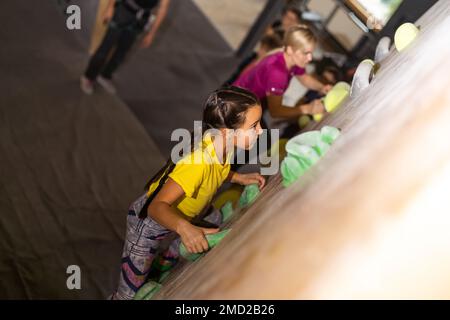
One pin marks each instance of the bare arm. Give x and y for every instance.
(313, 84)
(161, 210)
(160, 15)
(277, 110)
(109, 11)
(111, 4)
(246, 179)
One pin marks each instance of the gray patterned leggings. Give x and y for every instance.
(142, 241)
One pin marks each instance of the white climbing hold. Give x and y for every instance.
(382, 49)
(362, 77)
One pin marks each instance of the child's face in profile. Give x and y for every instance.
(329, 77)
(246, 135)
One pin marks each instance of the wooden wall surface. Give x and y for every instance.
(372, 218)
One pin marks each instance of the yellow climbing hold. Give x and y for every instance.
(317, 117)
(368, 61)
(336, 96)
(232, 194)
(303, 121)
(405, 35)
(279, 146)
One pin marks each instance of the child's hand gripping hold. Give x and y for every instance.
(246, 179)
(193, 237)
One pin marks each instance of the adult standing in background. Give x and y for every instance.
(127, 19)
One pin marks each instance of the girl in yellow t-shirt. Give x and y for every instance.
(179, 192)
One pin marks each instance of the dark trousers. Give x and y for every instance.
(111, 52)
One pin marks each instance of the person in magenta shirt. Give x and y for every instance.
(270, 78)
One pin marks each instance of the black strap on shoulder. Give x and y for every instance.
(162, 181)
(197, 221)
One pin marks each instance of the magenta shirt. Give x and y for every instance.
(269, 77)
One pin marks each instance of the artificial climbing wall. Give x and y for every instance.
(372, 218)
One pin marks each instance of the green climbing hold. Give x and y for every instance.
(291, 169)
(187, 255)
(249, 195)
(321, 148)
(227, 211)
(306, 154)
(147, 291)
(304, 151)
(156, 265)
(213, 240)
(297, 163)
(303, 121)
(329, 134)
(310, 138)
(163, 276)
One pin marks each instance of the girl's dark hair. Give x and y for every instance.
(328, 65)
(224, 108)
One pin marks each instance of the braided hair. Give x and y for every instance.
(224, 108)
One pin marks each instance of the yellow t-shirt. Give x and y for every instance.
(199, 174)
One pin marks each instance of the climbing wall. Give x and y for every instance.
(372, 218)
